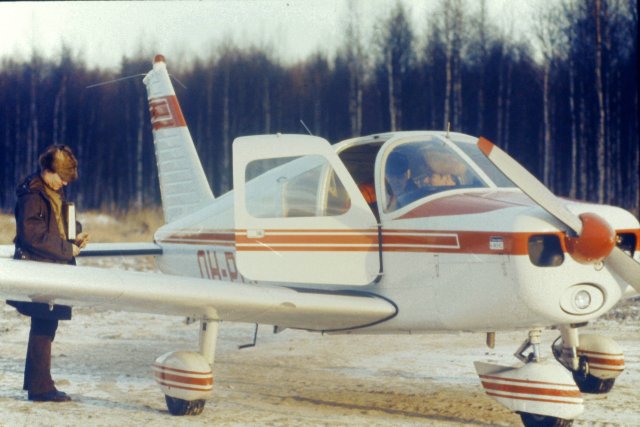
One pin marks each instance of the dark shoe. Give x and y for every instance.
(50, 396)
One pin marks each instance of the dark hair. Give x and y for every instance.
(59, 158)
(397, 164)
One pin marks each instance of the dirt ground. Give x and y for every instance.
(103, 360)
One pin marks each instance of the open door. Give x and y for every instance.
(299, 215)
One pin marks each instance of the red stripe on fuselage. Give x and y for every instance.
(468, 204)
(366, 240)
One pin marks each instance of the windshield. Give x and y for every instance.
(418, 169)
(485, 164)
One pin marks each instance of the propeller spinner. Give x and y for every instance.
(594, 239)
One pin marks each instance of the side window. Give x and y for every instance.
(294, 187)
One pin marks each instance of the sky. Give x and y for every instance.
(103, 32)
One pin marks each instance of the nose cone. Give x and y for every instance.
(595, 242)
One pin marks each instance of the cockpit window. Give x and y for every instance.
(418, 169)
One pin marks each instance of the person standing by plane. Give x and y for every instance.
(41, 235)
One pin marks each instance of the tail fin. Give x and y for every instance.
(183, 185)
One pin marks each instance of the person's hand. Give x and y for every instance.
(82, 239)
(76, 250)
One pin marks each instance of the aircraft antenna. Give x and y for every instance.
(130, 77)
(177, 81)
(114, 81)
(448, 129)
(305, 126)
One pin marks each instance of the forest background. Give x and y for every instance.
(564, 102)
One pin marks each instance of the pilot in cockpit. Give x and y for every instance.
(399, 182)
(445, 169)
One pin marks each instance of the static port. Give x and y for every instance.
(545, 250)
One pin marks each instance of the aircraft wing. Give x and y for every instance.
(185, 296)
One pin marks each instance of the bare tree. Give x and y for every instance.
(357, 63)
(395, 44)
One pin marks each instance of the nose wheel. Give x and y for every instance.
(595, 361)
(588, 383)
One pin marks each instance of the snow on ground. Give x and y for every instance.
(293, 378)
(103, 360)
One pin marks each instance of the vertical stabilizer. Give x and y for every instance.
(183, 185)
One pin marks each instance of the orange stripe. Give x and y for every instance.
(166, 113)
(468, 241)
(243, 231)
(445, 241)
(597, 368)
(601, 361)
(601, 353)
(517, 380)
(531, 390)
(421, 240)
(316, 239)
(182, 371)
(259, 248)
(184, 388)
(184, 380)
(533, 399)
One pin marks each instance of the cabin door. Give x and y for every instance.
(299, 216)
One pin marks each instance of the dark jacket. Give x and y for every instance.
(38, 239)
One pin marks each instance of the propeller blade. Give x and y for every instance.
(529, 184)
(624, 266)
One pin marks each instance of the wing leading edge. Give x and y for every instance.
(183, 296)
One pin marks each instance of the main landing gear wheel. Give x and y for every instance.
(184, 407)
(535, 420)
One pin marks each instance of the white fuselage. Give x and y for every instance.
(454, 260)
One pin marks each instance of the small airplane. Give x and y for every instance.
(404, 232)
